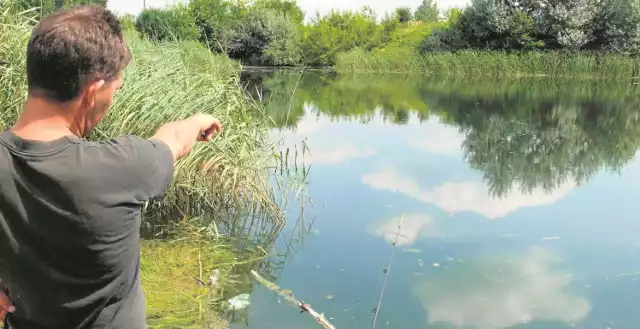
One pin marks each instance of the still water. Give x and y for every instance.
(518, 202)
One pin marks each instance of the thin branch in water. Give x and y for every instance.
(288, 296)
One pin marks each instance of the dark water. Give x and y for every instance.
(518, 201)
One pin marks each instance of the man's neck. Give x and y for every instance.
(42, 120)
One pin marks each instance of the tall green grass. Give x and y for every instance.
(488, 64)
(170, 81)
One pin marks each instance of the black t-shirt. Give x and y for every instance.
(69, 228)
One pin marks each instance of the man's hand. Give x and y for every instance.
(209, 126)
(5, 304)
(181, 136)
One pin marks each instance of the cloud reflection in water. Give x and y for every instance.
(454, 197)
(494, 293)
(413, 227)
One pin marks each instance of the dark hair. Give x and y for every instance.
(72, 47)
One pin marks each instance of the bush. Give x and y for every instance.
(215, 20)
(176, 23)
(265, 37)
(404, 14)
(607, 25)
(338, 32)
(616, 27)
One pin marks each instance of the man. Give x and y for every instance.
(70, 208)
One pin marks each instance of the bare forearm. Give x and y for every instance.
(182, 135)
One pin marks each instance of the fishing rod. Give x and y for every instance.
(386, 271)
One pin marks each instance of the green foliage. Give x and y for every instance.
(265, 37)
(337, 32)
(427, 11)
(289, 8)
(128, 22)
(617, 27)
(274, 32)
(45, 7)
(485, 64)
(175, 23)
(571, 25)
(410, 36)
(215, 20)
(404, 14)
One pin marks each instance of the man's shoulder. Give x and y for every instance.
(128, 149)
(123, 141)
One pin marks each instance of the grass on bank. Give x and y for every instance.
(487, 64)
(167, 82)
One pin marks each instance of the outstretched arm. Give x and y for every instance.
(182, 135)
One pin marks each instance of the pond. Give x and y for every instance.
(512, 204)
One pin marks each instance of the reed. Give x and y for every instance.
(488, 64)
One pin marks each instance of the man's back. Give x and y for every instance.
(69, 228)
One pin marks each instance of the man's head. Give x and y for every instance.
(75, 58)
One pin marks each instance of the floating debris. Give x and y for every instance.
(436, 265)
(239, 302)
(412, 250)
(319, 317)
(329, 297)
(551, 238)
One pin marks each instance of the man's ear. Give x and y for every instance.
(90, 93)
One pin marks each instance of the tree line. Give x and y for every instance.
(265, 32)
(524, 25)
(276, 33)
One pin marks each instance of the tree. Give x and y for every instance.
(215, 20)
(265, 37)
(427, 11)
(567, 23)
(288, 8)
(338, 32)
(616, 27)
(176, 23)
(404, 14)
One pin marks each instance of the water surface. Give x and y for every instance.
(518, 202)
